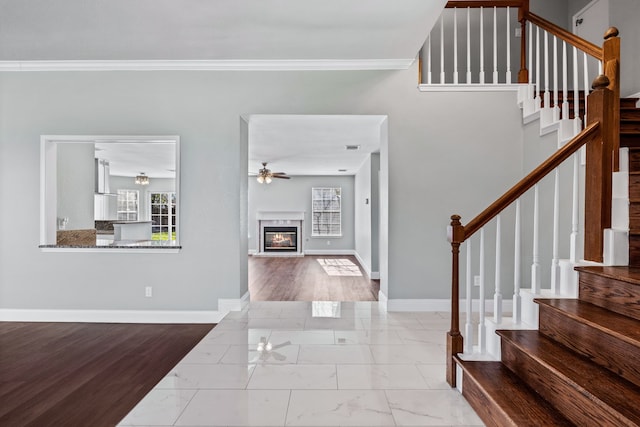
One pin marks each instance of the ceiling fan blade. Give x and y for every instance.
(280, 176)
(278, 173)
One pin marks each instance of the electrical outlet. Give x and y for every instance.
(148, 291)
(518, 32)
(476, 280)
(328, 242)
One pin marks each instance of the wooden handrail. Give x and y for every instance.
(484, 3)
(591, 133)
(565, 35)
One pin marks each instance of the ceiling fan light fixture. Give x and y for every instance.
(142, 179)
(260, 179)
(267, 179)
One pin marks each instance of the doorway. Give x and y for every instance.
(335, 193)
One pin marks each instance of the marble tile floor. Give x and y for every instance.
(319, 364)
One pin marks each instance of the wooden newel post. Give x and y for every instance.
(599, 169)
(454, 339)
(611, 69)
(523, 74)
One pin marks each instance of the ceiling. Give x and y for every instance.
(312, 144)
(369, 34)
(155, 159)
(228, 34)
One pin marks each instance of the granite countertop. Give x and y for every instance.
(125, 244)
(131, 222)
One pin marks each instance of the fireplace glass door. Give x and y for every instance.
(280, 239)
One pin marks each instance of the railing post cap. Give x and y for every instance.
(611, 32)
(455, 217)
(600, 82)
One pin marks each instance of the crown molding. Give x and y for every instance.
(210, 65)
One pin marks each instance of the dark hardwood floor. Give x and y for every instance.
(84, 374)
(305, 279)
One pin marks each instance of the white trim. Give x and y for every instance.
(438, 305)
(115, 250)
(375, 275)
(233, 304)
(470, 87)
(280, 215)
(210, 65)
(253, 252)
(363, 264)
(329, 252)
(383, 301)
(112, 316)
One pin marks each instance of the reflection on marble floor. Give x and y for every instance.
(311, 364)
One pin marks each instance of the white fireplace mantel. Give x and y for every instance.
(279, 215)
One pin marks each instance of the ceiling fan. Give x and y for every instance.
(265, 175)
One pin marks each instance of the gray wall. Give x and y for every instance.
(295, 195)
(625, 14)
(76, 184)
(438, 164)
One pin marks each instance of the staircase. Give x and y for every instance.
(582, 367)
(630, 137)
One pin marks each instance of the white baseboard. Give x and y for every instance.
(112, 316)
(226, 305)
(440, 305)
(329, 252)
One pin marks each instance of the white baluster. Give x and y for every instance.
(468, 45)
(517, 299)
(482, 336)
(481, 45)
(565, 82)
(586, 82)
(538, 78)
(455, 45)
(497, 297)
(530, 63)
(535, 265)
(442, 80)
(555, 266)
(547, 96)
(556, 108)
(495, 45)
(508, 75)
(573, 254)
(468, 339)
(577, 125)
(599, 68)
(429, 79)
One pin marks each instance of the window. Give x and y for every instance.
(163, 215)
(326, 214)
(128, 205)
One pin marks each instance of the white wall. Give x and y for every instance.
(447, 153)
(295, 195)
(76, 184)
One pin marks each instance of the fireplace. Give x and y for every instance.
(280, 239)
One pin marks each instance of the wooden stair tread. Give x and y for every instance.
(625, 274)
(600, 386)
(516, 401)
(623, 327)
